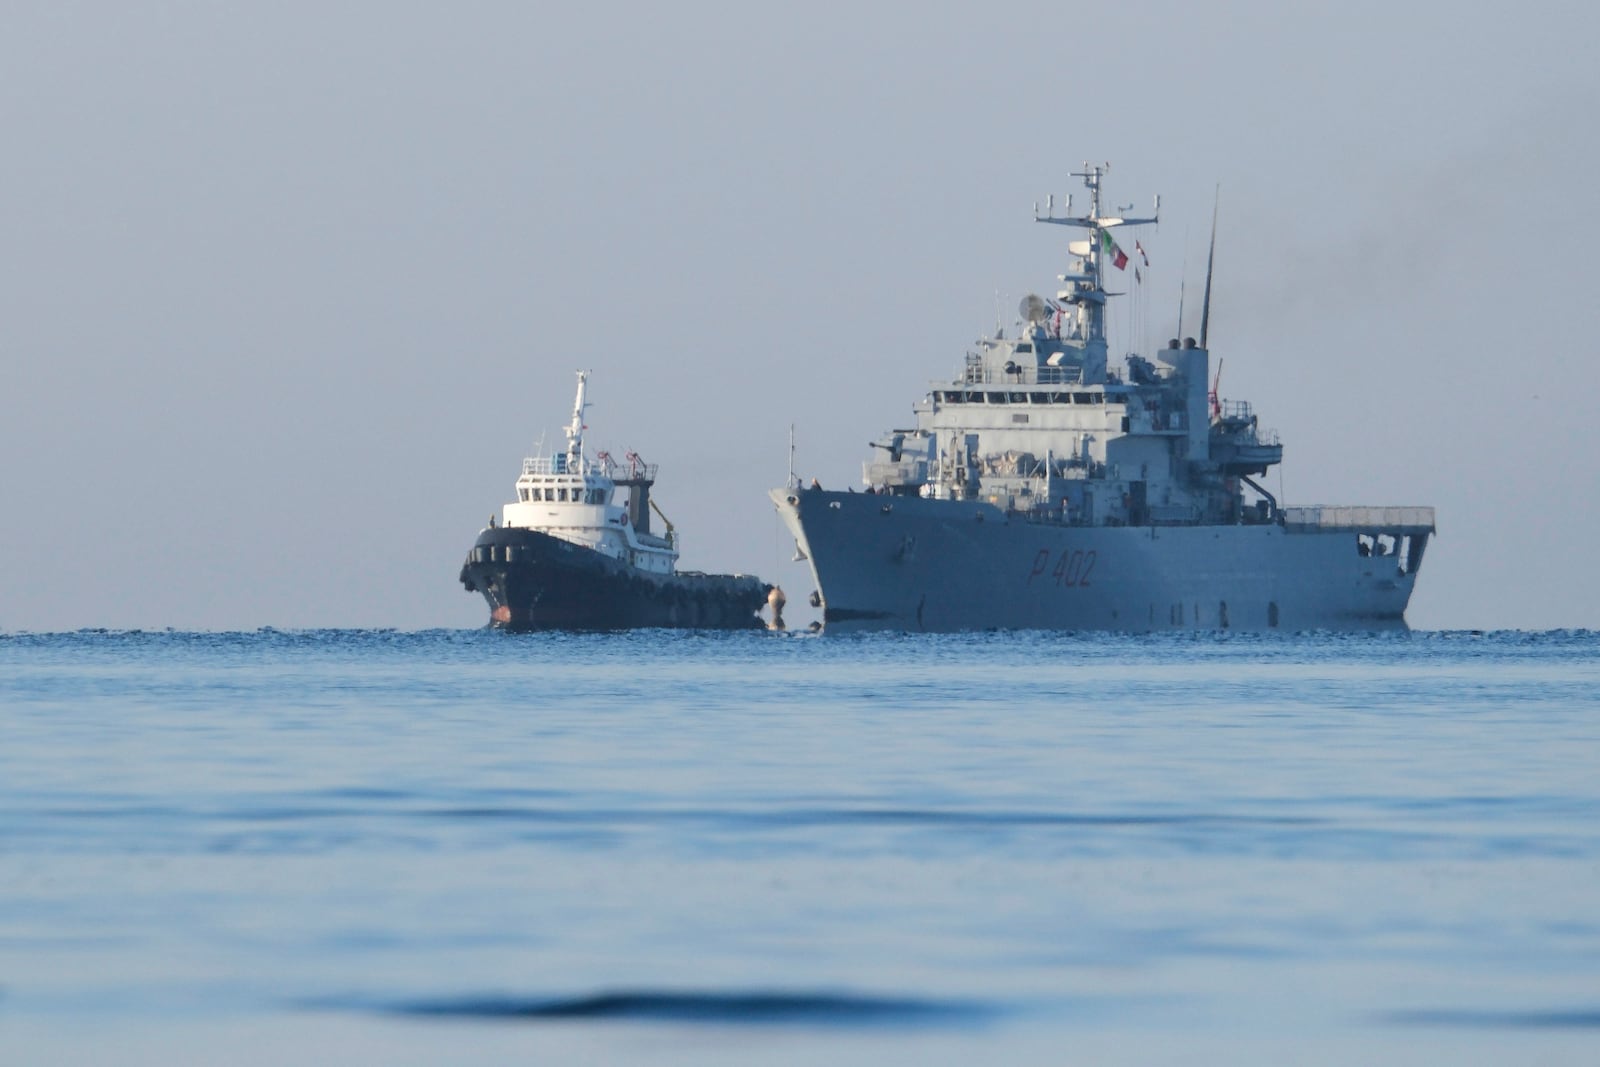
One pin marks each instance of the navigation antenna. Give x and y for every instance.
(791, 483)
(1211, 256)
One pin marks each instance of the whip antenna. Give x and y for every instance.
(1211, 256)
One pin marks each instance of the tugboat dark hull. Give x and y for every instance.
(533, 581)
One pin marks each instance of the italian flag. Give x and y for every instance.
(1119, 258)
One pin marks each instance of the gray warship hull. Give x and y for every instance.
(1041, 487)
(890, 562)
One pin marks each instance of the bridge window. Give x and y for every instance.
(996, 398)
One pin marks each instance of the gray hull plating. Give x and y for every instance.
(906, 563)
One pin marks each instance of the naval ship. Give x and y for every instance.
(564, 555)
(1042, 488)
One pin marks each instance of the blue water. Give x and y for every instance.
(473, 847)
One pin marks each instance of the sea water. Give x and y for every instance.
(476, 847)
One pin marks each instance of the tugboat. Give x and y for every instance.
(1040, 488)
(564, 556)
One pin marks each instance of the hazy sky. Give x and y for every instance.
(290, 289)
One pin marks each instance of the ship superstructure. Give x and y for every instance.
(569, 496)
(566, 553)
(1043, 487)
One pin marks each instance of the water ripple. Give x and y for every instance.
(1560, 1019)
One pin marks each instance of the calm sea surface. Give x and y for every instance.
(459, 847)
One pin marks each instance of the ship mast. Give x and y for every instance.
(576, 427)
(1085, 277)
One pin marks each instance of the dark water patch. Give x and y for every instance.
(115, 809)
(1560, 1019)
(862, 816)
(754, 1008)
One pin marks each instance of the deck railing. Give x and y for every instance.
(977, 373)
(558, 464)
(1324, 517)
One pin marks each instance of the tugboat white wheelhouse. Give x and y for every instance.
(1042, 489)
(564, 555)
